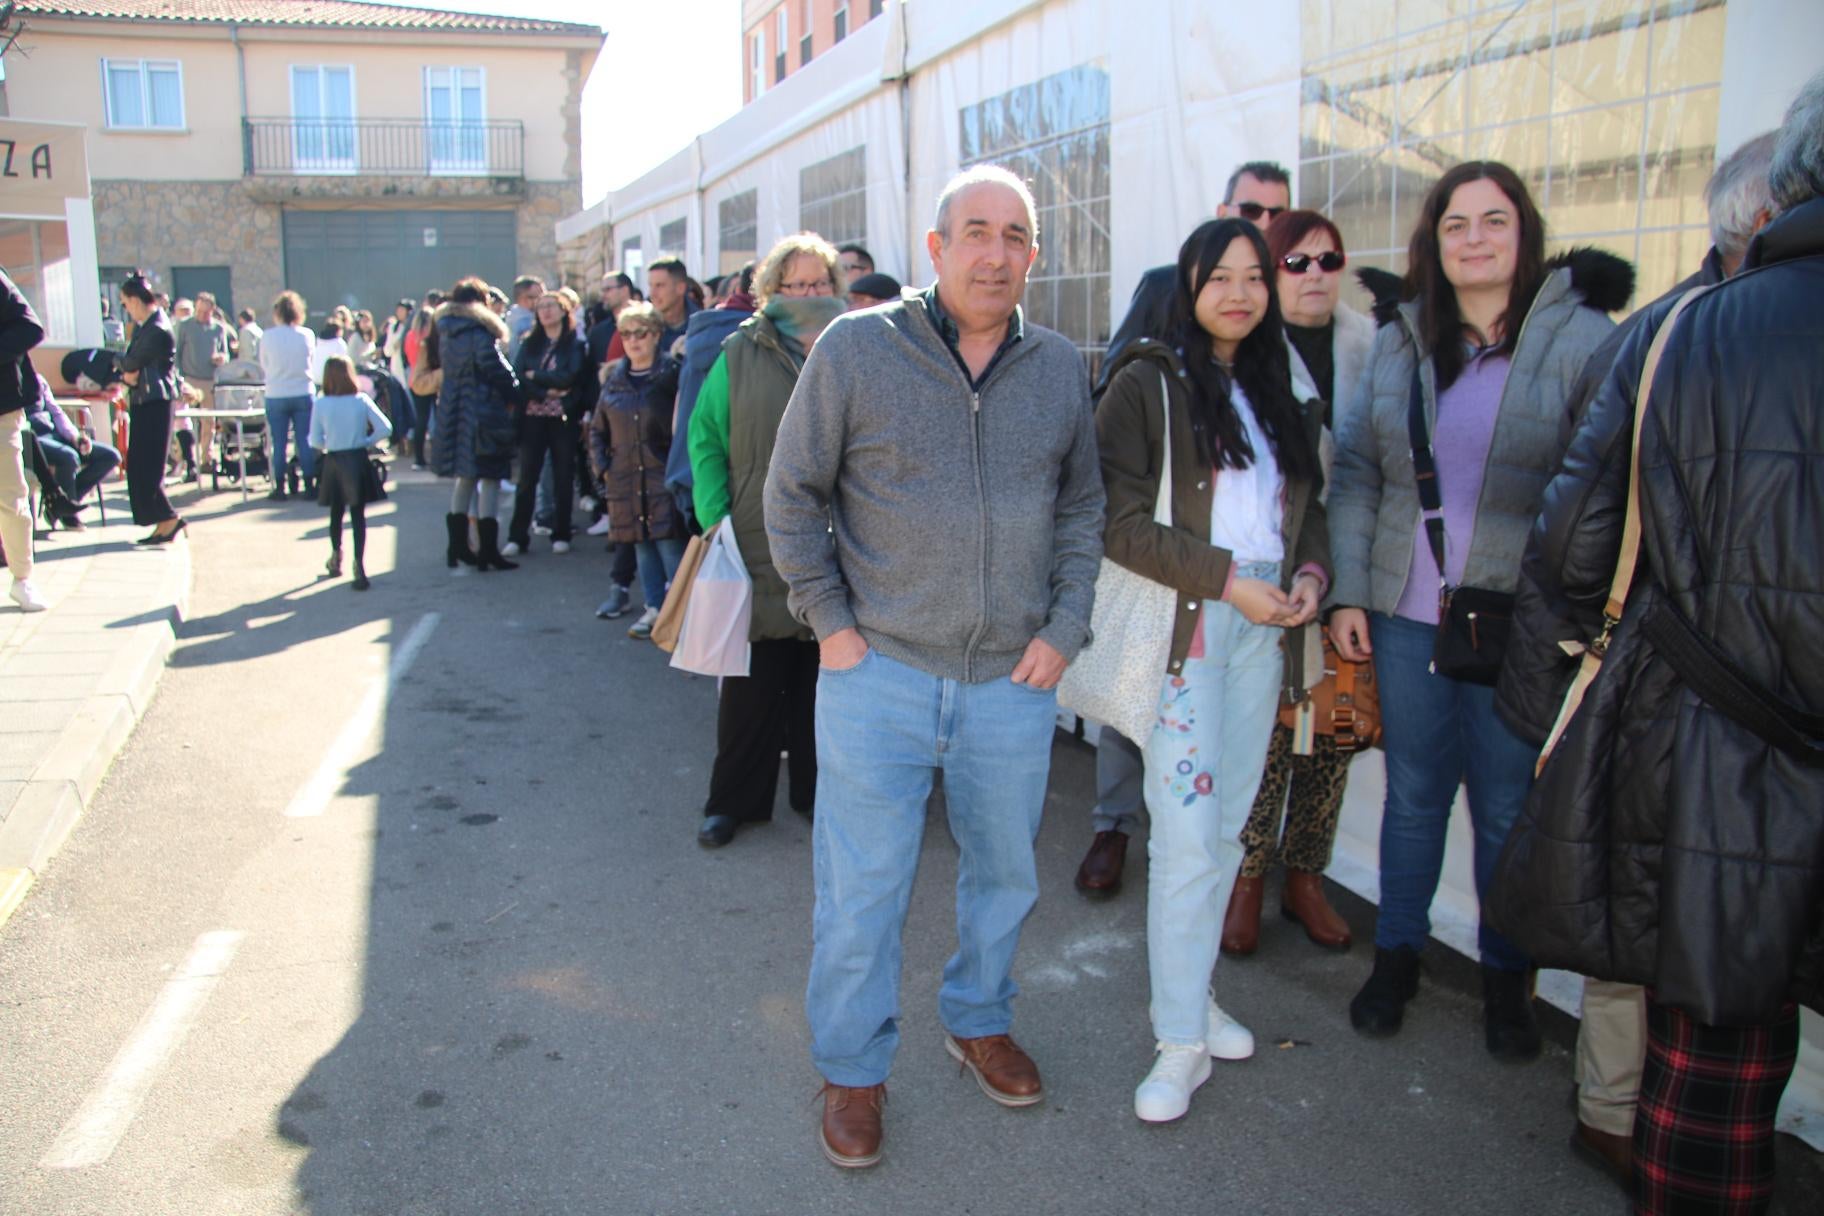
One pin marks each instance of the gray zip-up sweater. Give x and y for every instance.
(951, 525)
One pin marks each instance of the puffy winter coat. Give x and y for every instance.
(629, 441)
(569, 373)
(1374, 499)
(475, 431)
(1665, 843)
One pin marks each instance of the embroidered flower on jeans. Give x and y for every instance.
(1204, 783)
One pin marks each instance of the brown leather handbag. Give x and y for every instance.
(1345, 704)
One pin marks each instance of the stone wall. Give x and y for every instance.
(158, 225)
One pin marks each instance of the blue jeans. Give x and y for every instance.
(75, 473)
(658, 562)
(1204, 762)
(884, 729)
(290, 414)
(1440, 733)
(1118, 783)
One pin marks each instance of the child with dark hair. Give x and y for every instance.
(343, 423)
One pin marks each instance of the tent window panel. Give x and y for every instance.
(737, 222)
(833, 197)
(672, 237)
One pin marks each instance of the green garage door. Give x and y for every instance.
(370, 259)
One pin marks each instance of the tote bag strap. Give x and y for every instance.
(1629, 558)
(1162, 505)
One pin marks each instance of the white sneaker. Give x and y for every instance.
(541, 529)
(510, 549)
(642, 628)
(588, 502)
(26, 596)
(560, 546)
(1177, 1072)
(1229, 1039)
(600, 527)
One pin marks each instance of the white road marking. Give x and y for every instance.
(342, 755)
(92, 1133)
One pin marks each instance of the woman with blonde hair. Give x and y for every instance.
(732, 430)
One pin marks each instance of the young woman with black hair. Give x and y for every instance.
(1247, 552)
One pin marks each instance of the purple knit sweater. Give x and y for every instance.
(1460, 439)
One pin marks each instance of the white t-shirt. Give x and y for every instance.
(318, 357)
(1246, 508)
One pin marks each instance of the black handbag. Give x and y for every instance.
(1473, 622)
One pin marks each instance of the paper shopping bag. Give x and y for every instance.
(671, 612)
(713, 638)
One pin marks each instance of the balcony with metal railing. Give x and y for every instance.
(384, 147)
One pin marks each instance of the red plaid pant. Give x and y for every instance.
(1703, 1131)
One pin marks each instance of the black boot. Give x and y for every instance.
(457, 524)
(361, 583)
(1507, 1015)
(1380, 1006)
(489, 558)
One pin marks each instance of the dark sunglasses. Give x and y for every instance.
(1329, 262)
(1253, 211)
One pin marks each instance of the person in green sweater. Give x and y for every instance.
(732, 429)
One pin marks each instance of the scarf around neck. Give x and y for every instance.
(796, 316)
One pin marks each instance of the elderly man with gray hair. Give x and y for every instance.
(934, 504)
(1673, 841)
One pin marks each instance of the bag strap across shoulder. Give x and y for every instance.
(1425, 471)
(1162, 505)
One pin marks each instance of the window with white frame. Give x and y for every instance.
(633, 259)
(455, 110)
(842, 19)
(759, 63)
(783, 22)
(323, 118)
(804, 37)
(143, 94)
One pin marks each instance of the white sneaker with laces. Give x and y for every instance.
(510, 549)
(1229, 1039)
(26, 596)
(642, 628)
(1177, 1072)
(560, 546)
(600, 527)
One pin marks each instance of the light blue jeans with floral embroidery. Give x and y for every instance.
(1204, 762)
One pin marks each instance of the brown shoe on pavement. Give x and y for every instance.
(1303, 900)
(1612, 1154)
(1100, 874)
(851, 1124)
(1241, 927)
(1005, 1072)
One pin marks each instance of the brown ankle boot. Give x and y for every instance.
(1241, 927)
(1303, 901)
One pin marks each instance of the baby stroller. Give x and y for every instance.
(240, 384)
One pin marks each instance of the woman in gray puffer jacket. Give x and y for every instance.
(1494, 336)
(476, 436)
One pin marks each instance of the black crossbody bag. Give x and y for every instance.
(1473, 622)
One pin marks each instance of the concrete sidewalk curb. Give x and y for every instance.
(60, 789)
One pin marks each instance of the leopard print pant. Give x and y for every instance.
(1316, 785)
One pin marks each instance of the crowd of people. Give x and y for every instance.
(933, 502)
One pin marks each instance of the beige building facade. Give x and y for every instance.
(354, 152)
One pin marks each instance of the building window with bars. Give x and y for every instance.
(1608, 113)
(833, 197)
(143, 94)
(738, 231)
(1054, 135)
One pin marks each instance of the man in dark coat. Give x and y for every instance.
(1612, 1030)
(703, 337)
(1674, 838)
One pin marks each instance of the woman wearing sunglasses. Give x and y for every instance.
(1327, 344)
(1246, 553)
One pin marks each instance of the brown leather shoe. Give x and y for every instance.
(1303, 900)
(1005, 1073)
(851, 1124)
(1608, 1152)
(1241, 927)
(1100, 874)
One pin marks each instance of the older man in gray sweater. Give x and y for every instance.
(935, 507)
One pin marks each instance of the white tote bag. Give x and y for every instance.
(712, 641)
(1116, 679)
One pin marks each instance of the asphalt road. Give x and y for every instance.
(493, 972)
